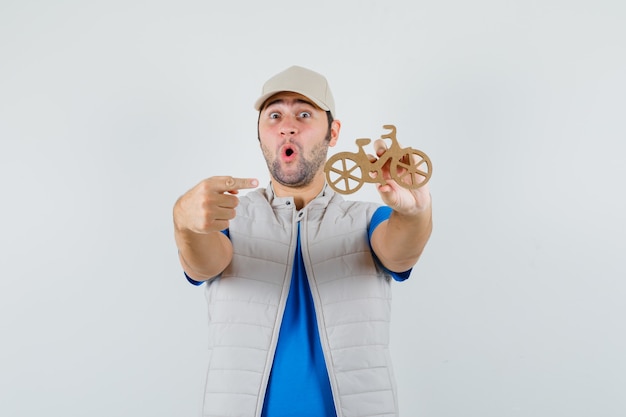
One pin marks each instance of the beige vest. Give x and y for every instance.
(352, 298)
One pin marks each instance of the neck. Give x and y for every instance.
(301, 195)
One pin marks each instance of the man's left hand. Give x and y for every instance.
(406, 201)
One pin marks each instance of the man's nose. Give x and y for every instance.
(288, 126)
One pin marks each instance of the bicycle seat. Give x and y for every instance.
(362, 142)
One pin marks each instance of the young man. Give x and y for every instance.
(297, 279)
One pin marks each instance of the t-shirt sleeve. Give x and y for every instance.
(197, 283)
(380, 215)
(192, 281)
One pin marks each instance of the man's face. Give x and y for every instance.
(294, 138)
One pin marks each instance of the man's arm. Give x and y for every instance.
(399, 241)
(203, 256)
(199, 217)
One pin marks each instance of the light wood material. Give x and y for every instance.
(346, 172)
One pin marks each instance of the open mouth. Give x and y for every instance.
(288, 152)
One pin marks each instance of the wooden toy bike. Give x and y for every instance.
(346, 172)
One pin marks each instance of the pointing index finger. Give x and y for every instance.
(234, 184)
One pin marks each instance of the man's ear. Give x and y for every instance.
(335, 127)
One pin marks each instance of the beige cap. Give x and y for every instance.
(302, 81)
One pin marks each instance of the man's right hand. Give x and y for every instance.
(198, 215)
(210, 205)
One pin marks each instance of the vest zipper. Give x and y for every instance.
(279, 314)
(319, 314)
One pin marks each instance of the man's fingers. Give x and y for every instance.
(380, 147)
(210, 205)
(226, 201)
(223, 213)
(228, 183)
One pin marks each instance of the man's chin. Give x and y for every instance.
(292, 184)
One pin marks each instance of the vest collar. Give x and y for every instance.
(322, 199)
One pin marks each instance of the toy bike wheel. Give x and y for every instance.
(412, 170)
(343, 173)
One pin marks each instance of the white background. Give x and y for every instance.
(110, 110)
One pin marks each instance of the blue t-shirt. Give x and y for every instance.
(299, 383)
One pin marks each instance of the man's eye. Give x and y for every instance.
(274, 115)
(304, 115)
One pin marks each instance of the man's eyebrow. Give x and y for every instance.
(298, 100)
(271, 103)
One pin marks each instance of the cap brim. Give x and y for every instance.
(261, 100)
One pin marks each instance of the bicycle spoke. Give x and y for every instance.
(343, 172)
(346, 179)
